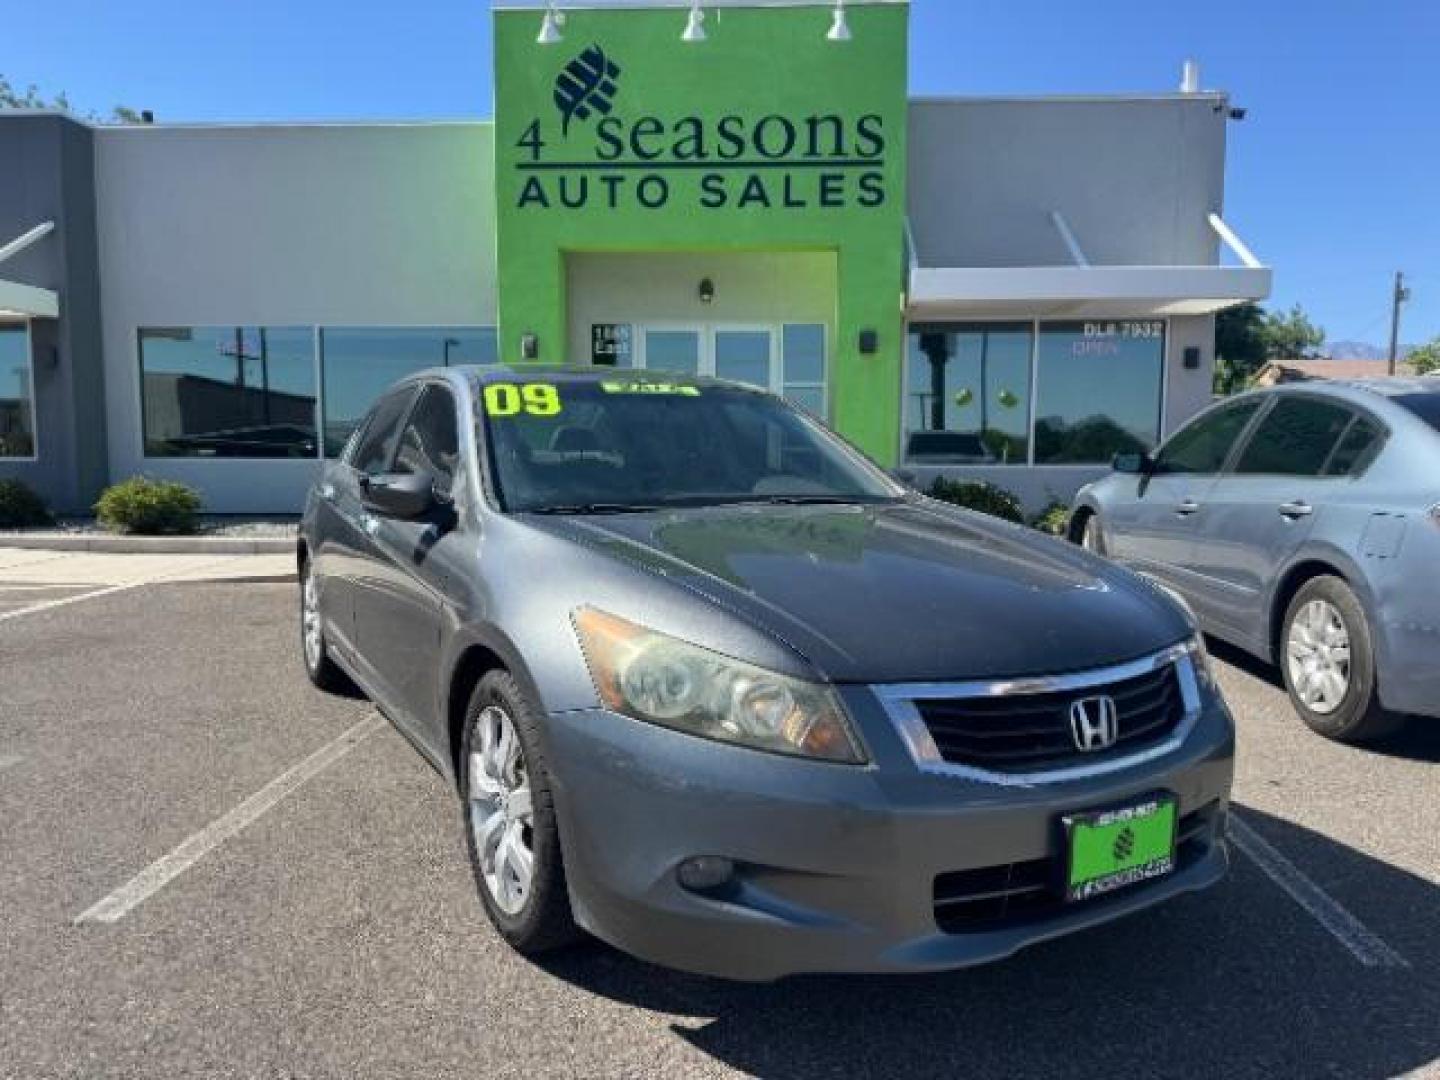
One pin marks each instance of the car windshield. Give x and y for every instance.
(622, 445)
(1425, 406)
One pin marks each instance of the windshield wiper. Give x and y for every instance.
(593, 508)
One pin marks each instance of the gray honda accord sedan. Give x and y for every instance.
(718, 691)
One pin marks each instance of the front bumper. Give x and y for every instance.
(838, 865)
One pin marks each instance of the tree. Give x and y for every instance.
(31, 98)
(1291, 336)
(1425, 359)
(1239, 346)
(1247, 337)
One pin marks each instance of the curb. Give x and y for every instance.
(151, 545)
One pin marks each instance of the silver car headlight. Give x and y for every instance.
(653, 677)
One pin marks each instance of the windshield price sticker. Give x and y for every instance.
(676, 389)
(511, 399)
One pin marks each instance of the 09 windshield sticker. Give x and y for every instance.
(512, 399)
(637, 387)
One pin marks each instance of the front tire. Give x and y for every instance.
(1092, 539)
(1327, 658)
(510, 826)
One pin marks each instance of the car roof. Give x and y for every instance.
(1371, 392)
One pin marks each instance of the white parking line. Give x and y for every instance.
(46, 605)
(166, 869)
(110, 590)
(1363, 944)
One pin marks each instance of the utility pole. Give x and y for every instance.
(1401, 295)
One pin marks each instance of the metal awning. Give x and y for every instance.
(27, 302)
(1084, 291)
(19, 301)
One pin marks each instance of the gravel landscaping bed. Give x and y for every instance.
(230, 528)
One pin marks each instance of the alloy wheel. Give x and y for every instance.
(1318, 654)
(311, 633)
(502, 814)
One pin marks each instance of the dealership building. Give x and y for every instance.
(1006, 288)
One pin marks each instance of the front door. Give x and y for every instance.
(1155, 528)
(398, 613)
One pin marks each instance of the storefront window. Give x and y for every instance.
(228, 391)
(359, 363)
(1098, 387)
(17, 395)
(967, 397)
(802, 359)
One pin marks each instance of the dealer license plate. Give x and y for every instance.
(1111, 849)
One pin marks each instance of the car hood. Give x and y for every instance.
(913, 591)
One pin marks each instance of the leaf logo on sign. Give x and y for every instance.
(587, 85)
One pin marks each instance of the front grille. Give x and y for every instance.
(1012, 894)
(1031, 732)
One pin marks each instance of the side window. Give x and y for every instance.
(1203, 447)
(1357, 448)
(372, 453)
(431, 439)
(1295, 439)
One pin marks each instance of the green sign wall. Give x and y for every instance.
(765, 137)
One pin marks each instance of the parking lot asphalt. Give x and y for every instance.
(336, 932)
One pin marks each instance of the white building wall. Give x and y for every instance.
(275, 225)
(1134, 177)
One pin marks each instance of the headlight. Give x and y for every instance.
(662, 680)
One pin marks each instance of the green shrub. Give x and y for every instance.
(21, 508)
(1054, 519)
(976, 495)
(148, 507)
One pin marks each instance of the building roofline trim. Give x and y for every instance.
(1211, 96)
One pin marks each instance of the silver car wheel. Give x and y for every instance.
(502, 813)
(312, 635)
(1090, 536)
(1318, 654)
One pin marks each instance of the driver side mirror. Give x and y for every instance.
(1134, 464)
(399, 495)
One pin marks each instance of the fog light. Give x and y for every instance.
(705, 873)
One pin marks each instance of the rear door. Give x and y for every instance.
(1261, 511)
(1154, 528)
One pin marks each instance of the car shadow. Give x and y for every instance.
(1246, 662)
(1237, 981)
(1417, 740)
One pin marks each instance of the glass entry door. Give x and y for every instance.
(679, 350)
(745, 356)
(787, 358)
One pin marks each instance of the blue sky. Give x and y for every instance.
(1333, 177)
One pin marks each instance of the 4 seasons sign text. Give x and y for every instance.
(594, 153)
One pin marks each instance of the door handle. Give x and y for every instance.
(1296, 510)
(370, 523)
(1188, 507)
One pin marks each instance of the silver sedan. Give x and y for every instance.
(1303, 525)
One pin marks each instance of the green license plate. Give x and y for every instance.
(1111, 849)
